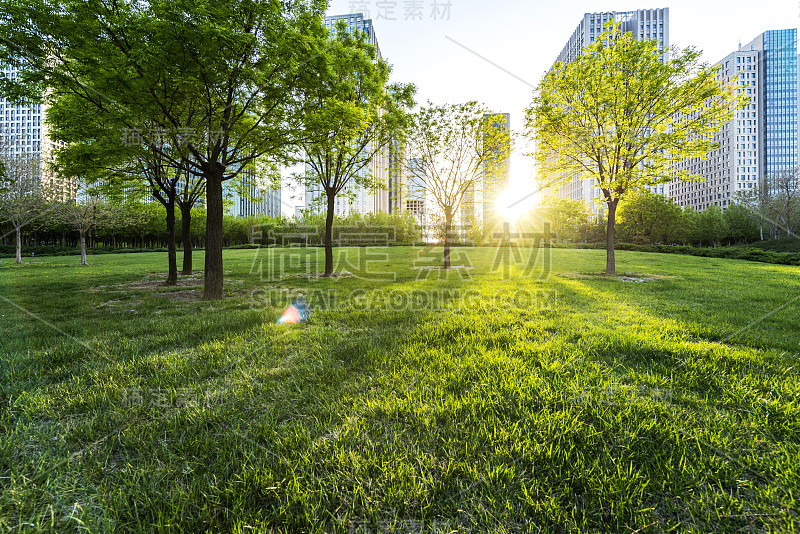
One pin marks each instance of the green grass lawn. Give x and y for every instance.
(413, 401)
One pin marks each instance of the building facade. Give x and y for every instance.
(642, 24)
(416, 190)
(24, 130)
(249, 198)
(761, 139)
(398, 182)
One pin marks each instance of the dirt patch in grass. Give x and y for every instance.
(118, 302)
(194, 295)
(314, 276)
(155, 281)
(182, 282)
(638, 278)
(189, 295)
(440, 268)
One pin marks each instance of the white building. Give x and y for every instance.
(23, 130)
(762, 138)
(249, 198)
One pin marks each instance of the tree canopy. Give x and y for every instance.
(622, 115)
(222, 80)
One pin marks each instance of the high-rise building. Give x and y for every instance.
(761, 139)
(416, 190)
(250, 199)
(23, 130)
(642, 24)
(356, 198)
(398, 187)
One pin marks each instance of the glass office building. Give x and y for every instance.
(25, 133)
(779, 68)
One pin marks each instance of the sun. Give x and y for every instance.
(514, 203)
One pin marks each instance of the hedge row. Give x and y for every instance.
(735, 253)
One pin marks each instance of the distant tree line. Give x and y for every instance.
(768, 212)
(142, 226)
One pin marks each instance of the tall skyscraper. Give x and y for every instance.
(398, 186)
(642, 24)
(23, 130)
(761, 139)
(354, 197)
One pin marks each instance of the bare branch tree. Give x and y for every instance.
(22, 198)
(450, 146)
(783, 191)
(83, 213)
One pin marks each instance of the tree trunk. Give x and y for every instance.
(186, 238)
(213, 258)
(611, 265)
(18, 232)
(329, 234)
(172, 253)
(448, 222)
(83, 247)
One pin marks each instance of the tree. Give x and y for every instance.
(620, 115)
(688, 231)
(644, 217)
(221, 80)
(568, 219)
(103, 152)
(22, 198)
(189, 193)
(83, 213)
(355, 116)
(755, 201)
(711, 226)
(741, 223)
(449, 145)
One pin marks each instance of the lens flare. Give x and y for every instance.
(298, 312)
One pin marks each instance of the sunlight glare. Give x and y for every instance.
(514, 203)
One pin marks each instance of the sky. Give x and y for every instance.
(497, 52)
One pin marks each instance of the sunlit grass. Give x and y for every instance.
(668, 404)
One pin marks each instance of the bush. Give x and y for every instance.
(734, 253)
(9, 251)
